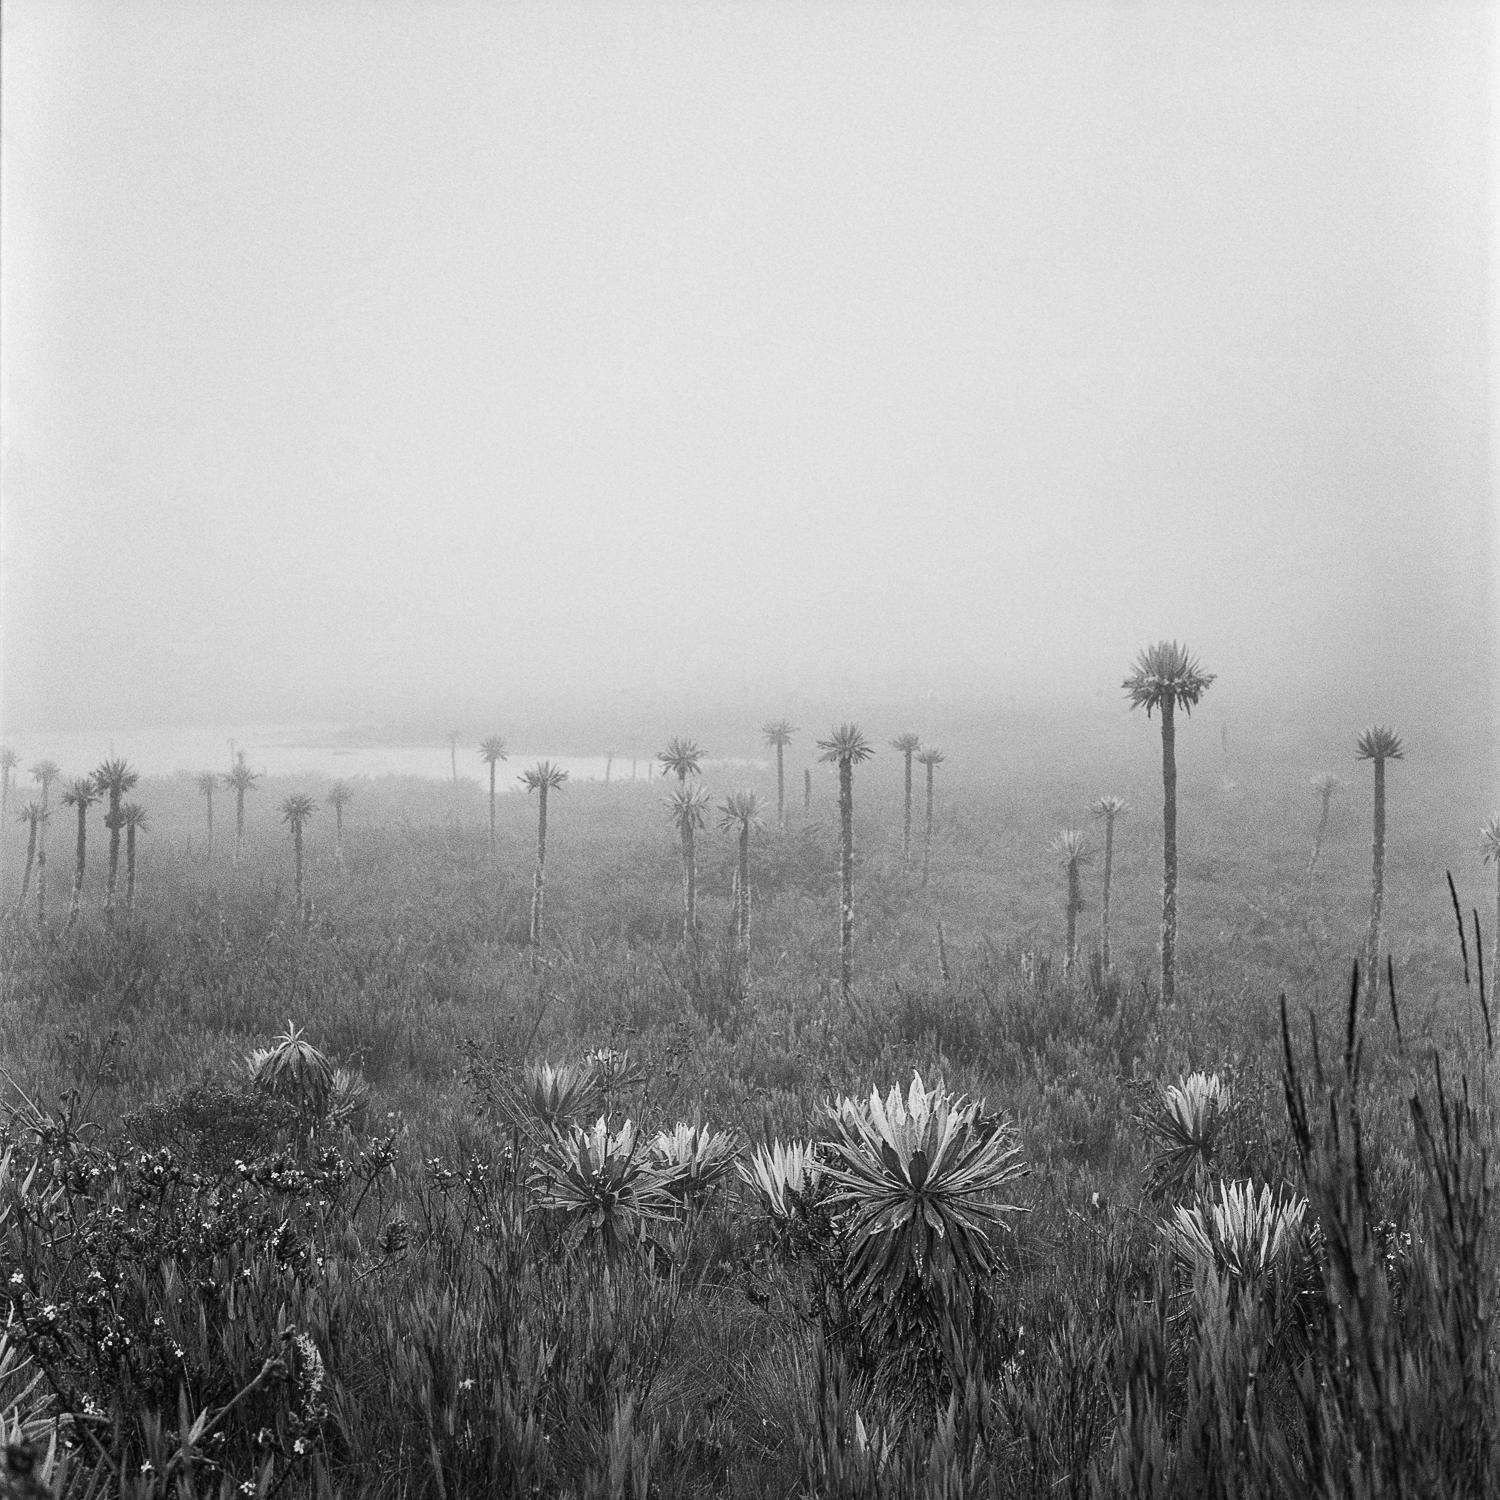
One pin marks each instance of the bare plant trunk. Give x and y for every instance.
(338, 833)
(113, 823)
(1109, 862)
(297, 864)
(1377, 885)
(742, 905)
(906, 818)
(492, 807)
(846, 877)
(1317, 847)
(781, 785)
(80, 850)
(539, 882)
(30, 861)
(927, 841)
(1169, 854)
(239, 824)
(609, 765)
(209, 801)
(130, 870)
(689, 886)
(1075, 905)
(41, 883)
(806, 789)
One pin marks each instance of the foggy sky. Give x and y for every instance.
(361, 357)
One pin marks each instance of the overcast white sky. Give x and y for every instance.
(360, 357)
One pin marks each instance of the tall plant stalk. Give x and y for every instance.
(133, 816)
(1489, 848)
(1072, 848)
(1167, 677)
(80, 794)
(1108, 808)
(113, 779)
(295, 811)
(931, 759)
(491, 750)
(908, 744)
(1378, 743)
(778, 735)
(542, 778)
(688, 807)
(1325, 786)
(207, 781)
(846, 747)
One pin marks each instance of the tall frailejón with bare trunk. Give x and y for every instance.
(908, 744)
(81, 794)
(1325, 786)
(931, 759)
(295, 811)
(1108, 808)
(133, 816)
(682, 758)
(687, 806)
(340, 795)
(32, 815)
(113, 779)
(241, 779)
(741, 813)
(1167, 677)
(778, 735)
(9, 760)
(1379, 744)
(542, 778)
(207, 783)
(492, 749)
(1072, 849)
(846, 747)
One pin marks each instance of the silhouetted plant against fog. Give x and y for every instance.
(242, 779)
(687, 806)
(1108, 808)
(9, 760)
(1325, 785)
(931, 758)
(681, 757)
(112, 779)
(80, 793)
(846, 746)
(491, 750)
(1379, 744)
(207, 781)
(133, 818)
(778, 735)
(1167, 677)
(740, 813)
(541, 778)
(32, 816)
(1072, 849)
(908, 744)
(340, 795)
(295, 811)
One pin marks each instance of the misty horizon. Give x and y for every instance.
(568, 370)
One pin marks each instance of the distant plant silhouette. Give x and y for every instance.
(112, 779)
(1072, 849)
(32, 815)
(741, 813)
(846, 747)
(908, 744)
(931, 758)
(688, 808)
(9, 760)
(133, 817)
(243, 780)
(806, 789)
(1108, 808)
(295, 811)
(340, 795)
(491, 750)
(1167, 677)
(1325, 785)
(207, 781)
(542, 778)
(44, 773)
(681, 757)
(80, 793)
(1378, 743)
(778, 733)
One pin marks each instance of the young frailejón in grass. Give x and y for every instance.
(687, 806)
(1108, 808)
(541, 778)
(931, 758)
(741, 813)
(1378, 743)
(32, 816)
(1072, 850)
(778, 735)
(112, 779)
(492, 750)
(80, 793)
(9, 760)
(1167, 677)
(681, 757)
(295, 811)
(846, 747)
(1325, 785)
(133, 816)
(242, 779)
(340, 795)
(206, 782)
(1489, 847)
(908, 744)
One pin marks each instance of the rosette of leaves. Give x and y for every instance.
(613, 1071)
(1185, 1129)
(917, 1178)
(602, 1183)
(555, 1095)
(1255, 1240)
(691, 1159)
(291, 1068)
(785, 1176)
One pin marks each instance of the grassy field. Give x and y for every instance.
(379, 1284)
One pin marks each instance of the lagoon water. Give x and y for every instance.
(294, 750)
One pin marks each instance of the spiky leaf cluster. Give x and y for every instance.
(778, 732)
(741, 810)
(691, 1159)
(1071, 847)
(1166, 673)
(1109, 808)
(1184, 1130)
(1243, 1235)
(916, 1180)
(681, 757)
(1489, 840)
(297, 809)
(491, 749)
(602, 1183)
(80, 792)
(845, 745)
(687, 806)
(291, 1068)
(785, 1176)
(1379, 742)
(931, 756)
(543, 774)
